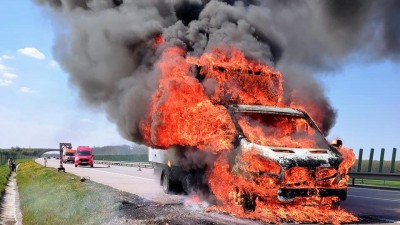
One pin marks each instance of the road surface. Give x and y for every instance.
(371, 205)
(374, 203)
(143, 183)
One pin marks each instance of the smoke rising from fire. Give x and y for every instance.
(107, 47)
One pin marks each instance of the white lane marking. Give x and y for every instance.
(392, 200)
(126, 175)
(384, 219)
(396, 191)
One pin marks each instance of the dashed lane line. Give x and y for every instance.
(126, 175)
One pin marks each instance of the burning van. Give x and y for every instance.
(278, 148)
(219, 124)
(284, 150)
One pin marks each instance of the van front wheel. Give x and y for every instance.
(248, 202)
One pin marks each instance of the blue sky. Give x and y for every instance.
(39, 108)
(367, 99)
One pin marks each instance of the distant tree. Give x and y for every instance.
(17, 149)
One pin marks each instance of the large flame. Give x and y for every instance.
(279, 132)
(239, 80)
(229, 190)
(188, 110)
(182, 114)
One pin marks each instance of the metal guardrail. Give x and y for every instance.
(126, 163)
(375, 176)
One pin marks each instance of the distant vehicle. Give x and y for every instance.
(69, 155)
(84, 156)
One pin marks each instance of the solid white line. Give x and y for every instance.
(392, 200)
(366, 187)
(384, 219)
(118, 174)
(125, 175)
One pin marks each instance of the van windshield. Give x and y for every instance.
(279, 130)
(69, 154)
(84, 153)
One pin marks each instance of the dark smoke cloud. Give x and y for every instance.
(107, 46)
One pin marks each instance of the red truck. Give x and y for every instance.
(84, 156)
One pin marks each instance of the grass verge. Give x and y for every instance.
(4, 173)
(50, 197)
(378, 183)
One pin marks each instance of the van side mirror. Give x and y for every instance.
(337, 143)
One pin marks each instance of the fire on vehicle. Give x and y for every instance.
(224, 126)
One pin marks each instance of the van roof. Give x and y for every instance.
(83, 148)
(267, 109)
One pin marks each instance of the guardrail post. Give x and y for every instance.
(393, 160)
(371, 157)
(360, 155)
(381, 160)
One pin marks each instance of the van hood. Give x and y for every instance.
(291, 157)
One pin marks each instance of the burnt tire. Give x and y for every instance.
(188, 183)
(166, 182)
(248, 202)
(335, 204)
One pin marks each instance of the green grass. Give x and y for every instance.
(379, 183)
(4, 173)
(50, 197)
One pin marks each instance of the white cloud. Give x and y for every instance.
(53, 63)
(32, 52)
(4, 68)
(5, 82)
(10, 75)
(27, 90)
(7, 57)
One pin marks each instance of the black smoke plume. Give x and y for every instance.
(106, 45)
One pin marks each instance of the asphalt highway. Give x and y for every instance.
(371, 205)
(374, 203)
(129, 179)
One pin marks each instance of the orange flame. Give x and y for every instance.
(181, 114)
(278, 133)
(239, 80)
(349, 158)
(229, 190)
(187, 112)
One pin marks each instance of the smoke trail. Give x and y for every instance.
(107, 48)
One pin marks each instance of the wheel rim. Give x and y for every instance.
(165, 182)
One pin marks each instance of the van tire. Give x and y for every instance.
(167, 184)
(76, 165)
(248, 202)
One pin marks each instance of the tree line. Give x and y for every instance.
(375, 166)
